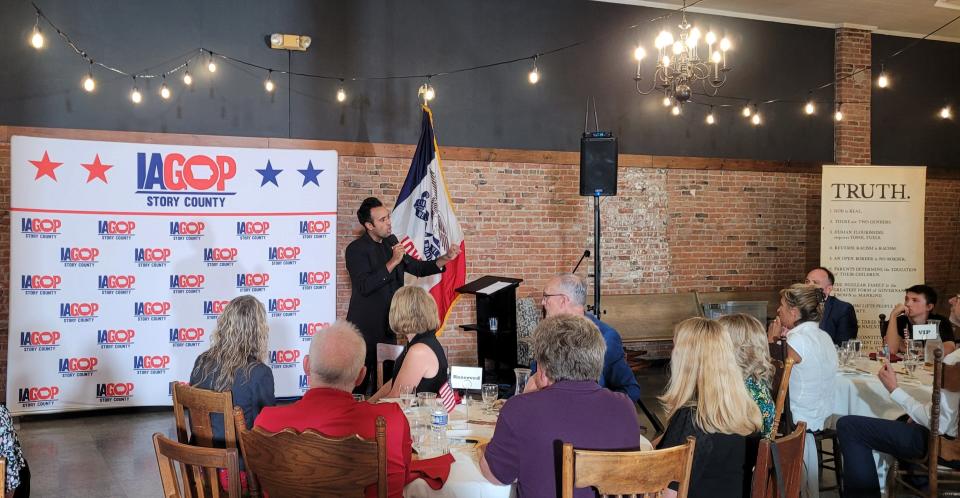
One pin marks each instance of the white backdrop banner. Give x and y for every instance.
(871, 237)
(124, 254)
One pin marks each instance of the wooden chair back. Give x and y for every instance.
(949, 380)
(194, 461)
(308, 463)
(201, 404)
(3, 470)
(626, 472)
(790, 452)
(386, 352)
(783, 384)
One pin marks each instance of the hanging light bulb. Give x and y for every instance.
(341, 94)
(164, 90)
(211, 65)
(756, 119)
(710, 118)
(268, 85)
(676, 110)
(883, 81)
(534, 75)
(639, 53)
(89, 84)
(666, 101)
(426, 91)
(946, 112)
(36, 38)
(746, 111)
(135, 95)
(809, 108)
(838, 116)
(187, 79)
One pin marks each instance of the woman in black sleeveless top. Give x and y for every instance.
(422, 364)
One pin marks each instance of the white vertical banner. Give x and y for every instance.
(871, 237)
(124, 254)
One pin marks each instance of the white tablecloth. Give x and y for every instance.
(465, 480)
(860, 392)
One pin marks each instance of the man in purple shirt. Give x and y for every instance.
(568, 406)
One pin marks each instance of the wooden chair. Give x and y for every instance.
(386, 352)
(193, 461)
(939, 448)
(3, 471)
(627, 472)
(782, 418)
(790, 453)
(305, 464)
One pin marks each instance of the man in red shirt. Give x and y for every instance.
(334, 367)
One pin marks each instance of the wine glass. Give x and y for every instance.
(910, 365)
(489, 392)
(915, 349)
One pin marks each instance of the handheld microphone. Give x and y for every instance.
(586, 254)
(391, 240)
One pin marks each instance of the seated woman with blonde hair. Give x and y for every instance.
(706, 398)
(423, 363)
(753, 356)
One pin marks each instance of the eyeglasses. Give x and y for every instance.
(547, 296)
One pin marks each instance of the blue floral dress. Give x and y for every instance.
(10, 449)
(760, 392)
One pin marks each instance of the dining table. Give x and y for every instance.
(858, 391)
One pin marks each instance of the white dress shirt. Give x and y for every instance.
(920, 411)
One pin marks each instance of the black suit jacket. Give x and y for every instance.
(839, 320)
(372, 287)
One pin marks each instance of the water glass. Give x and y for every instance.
(407, 396)
(915, 349)
(856, 345)
(910, 365)
(490, 393)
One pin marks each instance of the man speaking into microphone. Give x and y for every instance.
(376, 263)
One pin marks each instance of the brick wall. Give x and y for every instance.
(852, 134)
(669, 230)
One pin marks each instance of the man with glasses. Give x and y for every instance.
(839, 318)
(567, 294)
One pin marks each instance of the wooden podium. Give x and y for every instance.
(496, 350)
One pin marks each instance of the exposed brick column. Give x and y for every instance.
(851, 136)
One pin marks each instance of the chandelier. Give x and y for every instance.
(680, 67)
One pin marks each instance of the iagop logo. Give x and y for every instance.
(213, 309)
(308, 329)
(78, 312)
(32, 285)
(79, 257)
(253, 230)
(32, 397)
(283, 306)
(253, 282)
(186, 337)
(115, 338)
(152, 257)
(284, 358)
(314, 280)
(314, 229)
(283, 255)
(40, 340)
(116, 230)
(78, 367)
(151, 310)
(220, 256)
(304, 385)
(116, 284)
(151, 364)
(187, 284)
(42, 228)
(115, 392)
(187, 230)
(175, 180)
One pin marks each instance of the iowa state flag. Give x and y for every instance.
(423, 217)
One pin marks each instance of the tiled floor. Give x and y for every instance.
(110, 453)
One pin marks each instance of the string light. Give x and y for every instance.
(212, 66)
(426, 91)
(810, 108)
(135, 95)
(36, 38)
(746, 109)
(534, 75)
(164, 90)
(89, 84)
(676, 110)
(268, 85)
(946, 112)
(666, 101)
(756, 119)
(341, 93)
(883, 81)
(710, 118)
(187, 79)
(838, 116)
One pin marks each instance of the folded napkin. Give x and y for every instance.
(433, 470)
(893, 358)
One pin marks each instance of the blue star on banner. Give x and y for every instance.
(310, 174)
(269, 174)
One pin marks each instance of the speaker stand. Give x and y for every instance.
(596, 254)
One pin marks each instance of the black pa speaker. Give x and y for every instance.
(598, 164)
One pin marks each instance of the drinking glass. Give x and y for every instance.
(910, 365)
(915, 349)
(856, 345)
(523, 376)
(936, 324)
(489, 392)
(407, 396)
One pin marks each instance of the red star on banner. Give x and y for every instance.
(97, 170)
(45, 167)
